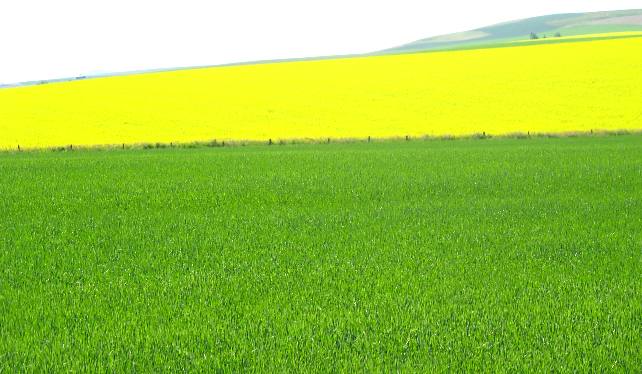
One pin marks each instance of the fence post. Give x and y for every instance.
(368, 138)
(407, 138)
(270, 141)
(328, 140)
(19, 148)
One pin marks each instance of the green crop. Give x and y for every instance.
(468, 255)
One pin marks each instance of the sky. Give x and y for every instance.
(46, 39)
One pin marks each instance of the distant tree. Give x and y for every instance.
(534, 36)
(558, 35)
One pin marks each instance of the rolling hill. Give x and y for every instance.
(543, 88)
(157, 222)
(571, 24)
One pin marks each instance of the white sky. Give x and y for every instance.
(42, 39)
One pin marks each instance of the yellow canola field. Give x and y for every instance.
(545, 88)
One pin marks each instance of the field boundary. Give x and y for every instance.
(222, 143)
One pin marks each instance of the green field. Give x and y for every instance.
(467, 255)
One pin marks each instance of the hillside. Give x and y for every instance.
(470, 209)
(574, 24)
(565, 24)
(583, 86)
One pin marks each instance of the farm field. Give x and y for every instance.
(596, 36)
(512, 255)
(567, 87)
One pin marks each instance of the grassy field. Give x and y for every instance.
(478, 255)
(589, 36)
(543, 88)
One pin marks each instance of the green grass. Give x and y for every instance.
(593, 29)
(469, 255)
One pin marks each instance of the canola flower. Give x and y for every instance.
(564, 87)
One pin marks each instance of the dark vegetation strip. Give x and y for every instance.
(325, 140)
